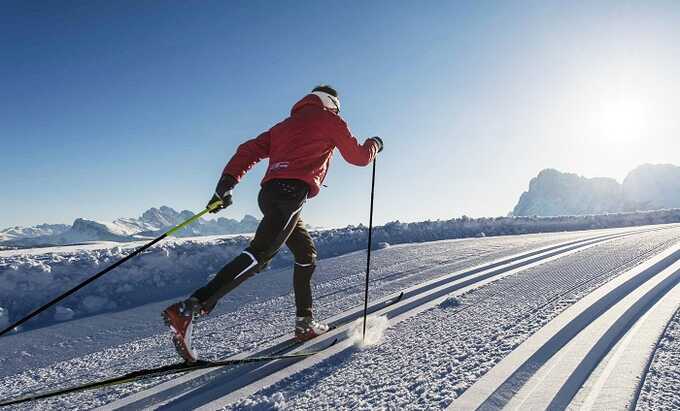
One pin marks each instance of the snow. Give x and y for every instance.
(94, 304)
(28, 280)
(463, 342)
(152, 223)
(661, 387)
(428, 356)
(4, 317)
(375, 329)
(175, 267)
(14, 233)
(63, 313)
(616, 382)
(253, 313)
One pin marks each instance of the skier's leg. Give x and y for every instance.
(281, 211)
(281, 208)
(301, 245)
(228, 278)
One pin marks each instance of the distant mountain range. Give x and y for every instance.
(152, 223)
(647, 187)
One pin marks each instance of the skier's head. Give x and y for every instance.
(328, 96)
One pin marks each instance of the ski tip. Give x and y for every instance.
(396, 299)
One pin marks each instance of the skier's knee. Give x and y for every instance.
(306, 259)
(305, 264)
(303, 270)
(260, 260)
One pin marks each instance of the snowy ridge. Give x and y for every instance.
(647, 187)
(177, 394)
(151, 223)
(17, 233)
(548, 369)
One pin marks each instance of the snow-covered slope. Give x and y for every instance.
(468, 306)
(18, 233)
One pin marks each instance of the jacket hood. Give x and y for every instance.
(308, 100)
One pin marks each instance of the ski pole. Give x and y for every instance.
(111, 267)
(368, 259)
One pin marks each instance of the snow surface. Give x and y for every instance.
(427, 361)
(375, 330)
(661, 388)
(253, 313)
(422, 362)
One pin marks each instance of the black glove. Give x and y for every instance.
(223, 192)
(379, 141)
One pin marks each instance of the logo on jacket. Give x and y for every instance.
(279, 166)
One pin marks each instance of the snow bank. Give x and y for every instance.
(165, 271)
(174, 268)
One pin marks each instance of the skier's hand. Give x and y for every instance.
(223, 193)
(379, 142)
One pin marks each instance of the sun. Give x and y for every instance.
(622, 119)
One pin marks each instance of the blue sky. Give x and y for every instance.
(109, 108)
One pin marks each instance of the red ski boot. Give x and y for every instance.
(180, 318)
(307, 328)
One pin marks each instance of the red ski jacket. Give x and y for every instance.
(300, 147)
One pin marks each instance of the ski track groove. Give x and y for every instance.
(213, 331)
(468, 344)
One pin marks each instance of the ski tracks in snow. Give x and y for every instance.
(403, 371)
(429, 359)
(450, 331)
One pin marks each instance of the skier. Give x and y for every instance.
(299, 150)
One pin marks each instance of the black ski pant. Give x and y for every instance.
(281, 202)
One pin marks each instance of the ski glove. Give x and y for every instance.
(379, 141)
(223, 192)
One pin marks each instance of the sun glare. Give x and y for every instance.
(623, 120)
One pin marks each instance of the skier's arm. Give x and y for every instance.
(350, 149)
(247, 155)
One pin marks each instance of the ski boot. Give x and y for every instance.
(307, 328)
(180, 318)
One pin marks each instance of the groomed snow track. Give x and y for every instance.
(595, 354)
(214, 389)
